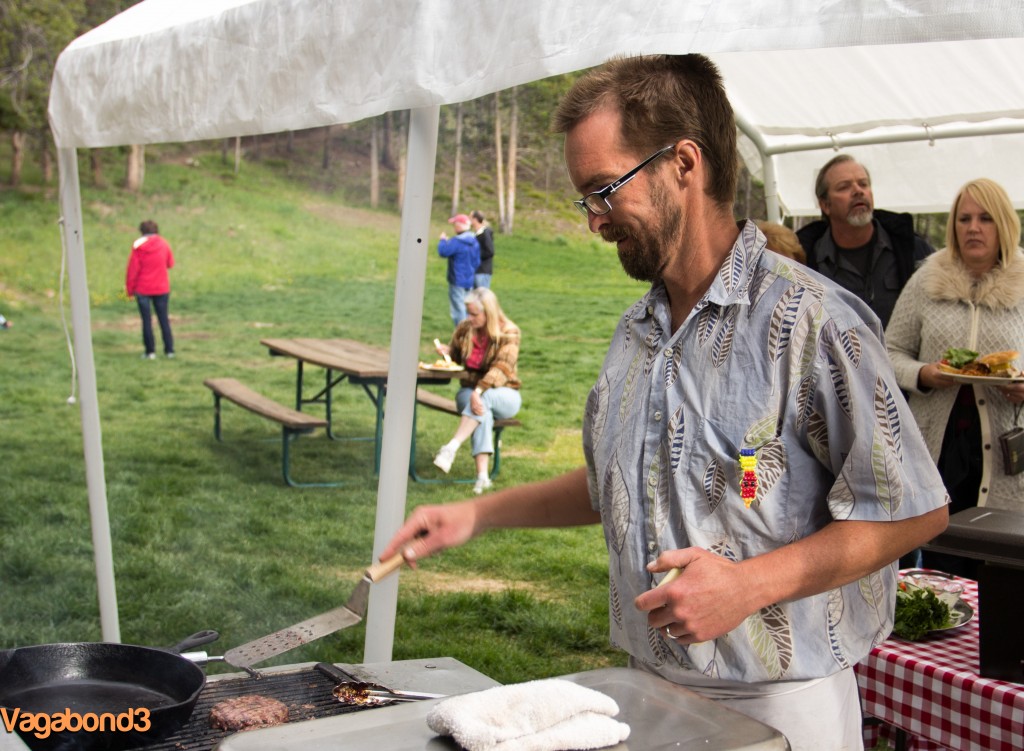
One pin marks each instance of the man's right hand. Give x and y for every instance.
(430, 529)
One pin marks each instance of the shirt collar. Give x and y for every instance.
(729, 287)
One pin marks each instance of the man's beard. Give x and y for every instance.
(646, 255)
(861, 218)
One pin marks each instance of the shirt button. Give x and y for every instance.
(668, 352)
(981, 401)
(652, 547)
(650, 309)
(657, 416)
(988, 446)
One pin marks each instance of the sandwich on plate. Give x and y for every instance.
(960, 361)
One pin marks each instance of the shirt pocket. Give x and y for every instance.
(720, 519)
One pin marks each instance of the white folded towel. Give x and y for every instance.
(546, 715)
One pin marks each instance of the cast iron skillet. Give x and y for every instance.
(95, 678)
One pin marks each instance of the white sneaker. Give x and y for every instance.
(482, 484)
(444, 458)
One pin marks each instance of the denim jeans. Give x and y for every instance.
(481, 280)
(457, 303)
(159, 305)
(500, 403)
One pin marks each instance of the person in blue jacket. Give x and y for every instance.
(463, 254)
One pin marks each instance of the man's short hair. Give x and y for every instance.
(148, 227)
(662, 99)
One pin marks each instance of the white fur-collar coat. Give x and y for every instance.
(943, 306)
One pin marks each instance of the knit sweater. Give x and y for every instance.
(942, 306)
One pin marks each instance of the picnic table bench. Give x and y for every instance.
(292, 421)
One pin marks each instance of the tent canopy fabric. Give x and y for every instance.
(818, 73)
(800, 74)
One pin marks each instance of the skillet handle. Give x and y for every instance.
(196, 640)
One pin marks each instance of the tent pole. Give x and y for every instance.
(96, 484)
(909, 135)
(413, 247)
(771, 189)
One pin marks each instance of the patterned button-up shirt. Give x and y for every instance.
(776, 359)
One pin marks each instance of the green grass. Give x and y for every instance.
(206, 535)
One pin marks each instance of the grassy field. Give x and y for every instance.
(206, 535)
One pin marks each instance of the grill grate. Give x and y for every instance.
(308, 694)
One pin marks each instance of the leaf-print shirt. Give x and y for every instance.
(777, 359)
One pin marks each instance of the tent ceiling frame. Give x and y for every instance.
(909, 133)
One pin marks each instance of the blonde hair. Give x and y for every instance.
(497, 321)
(992, 197)
(782, 240)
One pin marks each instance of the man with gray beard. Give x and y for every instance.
(870, 252)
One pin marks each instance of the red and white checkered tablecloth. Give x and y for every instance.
(931, 689)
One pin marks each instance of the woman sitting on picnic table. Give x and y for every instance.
(486, 344)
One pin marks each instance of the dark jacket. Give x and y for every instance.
(909, 251)
(486, 239)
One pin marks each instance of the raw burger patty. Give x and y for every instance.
(250, 711)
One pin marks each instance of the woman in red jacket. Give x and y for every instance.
(146, 280)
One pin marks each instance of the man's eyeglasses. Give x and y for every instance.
(597, 202)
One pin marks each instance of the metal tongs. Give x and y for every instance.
(366, 692)
(395, 695)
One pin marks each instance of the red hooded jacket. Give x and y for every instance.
(147, 267)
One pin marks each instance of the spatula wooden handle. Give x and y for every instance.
(670, 575)
(378, 571)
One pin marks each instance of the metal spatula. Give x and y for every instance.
(316, 627)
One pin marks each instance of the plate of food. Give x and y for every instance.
(994, 369)
(929, 602)
(441, 364)
(959, 615)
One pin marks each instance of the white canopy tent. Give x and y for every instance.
(800, 73)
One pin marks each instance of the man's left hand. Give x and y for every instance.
(704, 602)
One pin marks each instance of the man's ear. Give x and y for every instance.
(824, 206)
(687, 156)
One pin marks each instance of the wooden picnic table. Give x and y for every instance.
(359, 363)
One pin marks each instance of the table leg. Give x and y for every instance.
(298, 386)
(379, 432)
(328, 392)
(323, 396)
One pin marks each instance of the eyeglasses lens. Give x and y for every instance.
(597, 204)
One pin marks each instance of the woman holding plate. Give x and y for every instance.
(968, 295)
(486, 344)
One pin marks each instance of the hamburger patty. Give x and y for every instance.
(974, 368)
(249, 711)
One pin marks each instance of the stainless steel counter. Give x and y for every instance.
(661, 715)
